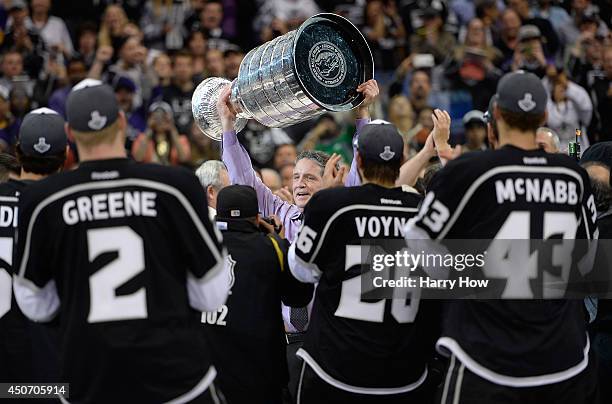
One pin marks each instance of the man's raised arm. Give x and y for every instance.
(240, 168)
(370, 91)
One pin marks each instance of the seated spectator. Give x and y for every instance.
(9, 125)
(178, 93)
(161, 143)
(601, 91)
(432, 38)
(473, 65)
(548, 140)
(76, 71)
(21, 37)
(125, 90)
(385, 33)
(475, 131)
(232, 58)
(162, 24)
(508, 38)
(196, 44)
(529, 53)
(215, 63)
(52, 29)
(131, 63)
(569, 108)
(87, 38)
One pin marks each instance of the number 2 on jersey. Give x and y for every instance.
(351, 306)
(105, 305)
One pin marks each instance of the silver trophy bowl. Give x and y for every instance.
(292, 78)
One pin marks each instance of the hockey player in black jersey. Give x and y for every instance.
(121, 253)
(509, 351)
(359, 351)
(28, 351)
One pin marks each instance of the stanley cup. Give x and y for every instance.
(292, 78)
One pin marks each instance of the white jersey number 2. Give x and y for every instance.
(105, 305)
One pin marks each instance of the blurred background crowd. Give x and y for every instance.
(428, 54)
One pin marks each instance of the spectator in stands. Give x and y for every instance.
(475, 131)
(87, 39)
(202, 147)
(473, 65)
(529, 53)
(178, 94)
(52, 29)
(161, 143)
(551, 45)
(76, 72)
(261, 142)
(112, 28)
(131, 63)
(401, 115)
(385, 33)
(23, 38)
(271, 179)
(557, 16)
(585, 61)
(215, 63)
(276, 28)
(582, 11)
(287, 13)
(602, 99)
(21, 102)
(211, 19)
(162, 24)
(214, 177)
(13, 73)
(327, 136)
(548, 140)
(569, 108)
(284, 154)
(232, 58)
(488, 12)
(161, 74)
(192, 18)
(125, 90)
(9, 125)
(508, 39)
(196, 44)
(286, 173)
(432, 38)
(420, 88)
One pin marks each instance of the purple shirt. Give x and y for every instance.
(241, 172)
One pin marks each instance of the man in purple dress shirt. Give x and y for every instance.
(309, 174)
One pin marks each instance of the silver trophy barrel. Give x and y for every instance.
(294, 77)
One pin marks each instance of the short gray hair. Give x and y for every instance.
(318, 157)
(209, 174)
(553, 136)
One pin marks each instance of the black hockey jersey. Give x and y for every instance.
(506, 194)
(368, 347)
(120, 241)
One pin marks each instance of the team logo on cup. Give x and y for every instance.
(327, 64)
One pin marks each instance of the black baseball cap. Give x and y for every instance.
(379, 141)
(237, 202)
(522, 92)
(42, 133)
(600, 152)
(91, 106)
(474, 117)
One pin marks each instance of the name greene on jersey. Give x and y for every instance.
(109, 205)
(536, 190)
